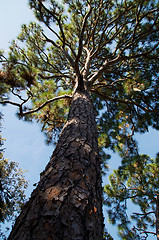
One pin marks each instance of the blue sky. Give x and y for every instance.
(24, 141)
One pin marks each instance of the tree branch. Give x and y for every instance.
(82, 34)
(57, 20)
(108, 27)
(51, 41)
(69, 58)
(10, 102)
(54, 76)
(144, 54)
(141, 18)
(144, 214)
(44, 104)
(126, 101)
(144, 231)
(87, 64)
(119, 58)
(17, 95)
(106, 64)
(20, 105)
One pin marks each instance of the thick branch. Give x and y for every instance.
(87, 64)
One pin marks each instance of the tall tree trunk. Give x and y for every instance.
(67, 203)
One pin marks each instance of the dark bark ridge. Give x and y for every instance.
(67, 203)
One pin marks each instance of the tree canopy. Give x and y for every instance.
(136, 180)
(112, 45)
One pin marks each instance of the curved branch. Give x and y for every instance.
(36, 109)
(10, 102)
(144, 231)
(126, 101)
(44, 104)
(17, 95)
(144, 214)
(57, 20)
(104, 67)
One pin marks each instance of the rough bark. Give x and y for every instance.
(67, 203)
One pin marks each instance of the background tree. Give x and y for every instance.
(12, 181)
(109, 48)
(137, 181)
(12, 187)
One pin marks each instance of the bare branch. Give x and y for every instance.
(144, 231)
(144, 214)
(20, 105)
(51, 41)
(44, 104)
(63, 51)
(82, 34)
(54, 76)
(106, 64)
(17, 95)
(125, 101)
(10, 102)
(57, 20)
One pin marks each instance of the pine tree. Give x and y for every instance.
(137, 181)
(94, 59)
(12, 188)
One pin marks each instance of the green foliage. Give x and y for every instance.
(12, 185)
(107, 236)
(12, 188)
(136, 181)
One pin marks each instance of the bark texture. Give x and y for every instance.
(67, 203)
